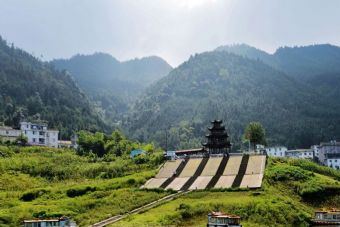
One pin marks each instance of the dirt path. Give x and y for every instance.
(137, 210)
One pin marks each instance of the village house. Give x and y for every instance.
(326, 218)
(57, 222)
(276, 151)
(300, 153)
(9, 134)
(36, 133)
(218, 219)
(329, 154)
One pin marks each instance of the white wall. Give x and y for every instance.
(279, 151)
(334, 163)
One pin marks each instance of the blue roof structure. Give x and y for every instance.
(133, 153)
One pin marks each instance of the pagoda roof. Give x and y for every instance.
(216, 121)
(221, 127)
(217, 135)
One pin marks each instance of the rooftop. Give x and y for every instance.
(223, 215)
(45, 220)
(189, 150)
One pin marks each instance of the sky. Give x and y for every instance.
(171, 29)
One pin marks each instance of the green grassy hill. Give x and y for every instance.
(44, 182)
(292, 191)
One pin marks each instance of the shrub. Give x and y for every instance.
(74, 192)
(32, 195)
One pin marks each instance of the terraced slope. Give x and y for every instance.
(245, 171)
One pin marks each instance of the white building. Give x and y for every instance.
(300, 153)
(38, 134)
(329, 154)
(8, 133)
(276, 151)
(316, 149)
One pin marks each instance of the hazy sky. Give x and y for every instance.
(172, 29)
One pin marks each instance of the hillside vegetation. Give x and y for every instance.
(302, 63)
(292, 190)
(32, 89)
(113, 85)
(238, 90)
(38, 182)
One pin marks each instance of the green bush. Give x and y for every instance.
(74, 192)
(32, 195)
(287, 173)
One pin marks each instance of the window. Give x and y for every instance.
(33, 132)
(33, 140)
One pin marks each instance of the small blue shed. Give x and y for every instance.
(133, 153)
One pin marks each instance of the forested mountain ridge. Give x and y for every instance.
(30, 88)
(112, 84)
(302, 63)
(223, 85)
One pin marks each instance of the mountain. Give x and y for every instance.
(302, 63)
(112, 84)
(218, 84)
(30, 88)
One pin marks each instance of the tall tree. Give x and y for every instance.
(255, 133)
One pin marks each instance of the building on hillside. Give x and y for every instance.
(37, 133)
(326, 218)
(58, 222)
(218, 219)
(64, 144)
(217, 139)
(316, 149)
(9, 134)
(276, 151)
(190, 152)
(300, 153)
(329, 154)
(170, 155)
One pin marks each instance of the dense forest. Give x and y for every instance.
(301, 63)
(113, 85)
(32, 89)
(294, 93)
(237, 89)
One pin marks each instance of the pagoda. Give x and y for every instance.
(217, 139)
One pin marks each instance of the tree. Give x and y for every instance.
(21, 140)
(255, 134)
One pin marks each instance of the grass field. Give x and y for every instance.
(290, 194)
(42, 182)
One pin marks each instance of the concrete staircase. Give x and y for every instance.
(198, 172)
(241, 172)
(219, 172)
(178, 172)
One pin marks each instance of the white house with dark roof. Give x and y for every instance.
(276, 151)
(37, 133)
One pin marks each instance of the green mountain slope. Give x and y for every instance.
(30, 88)
(44, 182)
(111, 84)
(302, 63)
(292, 191)
(237, 90)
